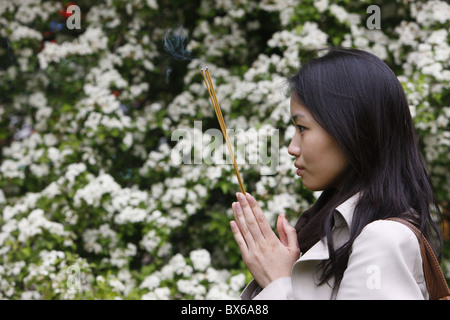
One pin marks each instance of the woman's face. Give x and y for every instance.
(318, 158)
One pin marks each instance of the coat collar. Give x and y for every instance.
(343, 216)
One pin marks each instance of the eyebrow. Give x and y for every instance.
(298, 115)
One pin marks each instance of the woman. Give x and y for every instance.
(355, 140)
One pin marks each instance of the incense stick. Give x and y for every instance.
(215, 103)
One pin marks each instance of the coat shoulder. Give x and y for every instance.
(384, 263)
(389, 234)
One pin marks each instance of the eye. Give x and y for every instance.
(300, 128)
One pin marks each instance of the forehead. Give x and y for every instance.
(298, 110)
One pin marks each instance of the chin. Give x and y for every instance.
(313, 187)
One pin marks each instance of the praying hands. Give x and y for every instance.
(267, 257)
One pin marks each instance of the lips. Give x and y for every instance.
(300, 169)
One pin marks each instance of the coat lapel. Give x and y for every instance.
(304, 270)
(319, 251)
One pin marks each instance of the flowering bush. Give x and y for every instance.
(93, 203)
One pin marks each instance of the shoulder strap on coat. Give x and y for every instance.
(436, 284)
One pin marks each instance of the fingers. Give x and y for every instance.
(263, 224)
(243, 227)
(248, 219)
(255, 219)
(239, 238)
(260, 218)
(252, 230)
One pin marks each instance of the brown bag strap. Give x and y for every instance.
(434, 278)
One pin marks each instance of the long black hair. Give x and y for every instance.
(359, 101)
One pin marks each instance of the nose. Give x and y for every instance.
(294, 149)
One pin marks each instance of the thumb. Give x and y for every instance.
(291, 234)
(281, 231)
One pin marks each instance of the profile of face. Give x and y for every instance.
(318, 158)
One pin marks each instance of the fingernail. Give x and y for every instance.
(240, 196)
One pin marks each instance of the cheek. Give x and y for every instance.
(314, 151)
(325, 163)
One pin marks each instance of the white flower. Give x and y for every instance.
(237, 282)
(152, 4)
(74, 170)
(129, 50)
(22, 32)
(151, 282)
(430, 12)
(91, 41)
(191, 287)
(117, 285)
(213, 275)
(157, 294)
(150, 241)
(177, 261)
(10, 169)
(130, 214)
(93, 120)
(200, 258)
(339, 12)
(321, 5)
(38, 99)
(442, 53)
(434, 69)
(437, 37)
(128, 139)
(279, 204)
(174, 195)
(31, 295)
(312, 37)
(39, 170)
(35, 223)
(92, 193)
(167, 272)
(50, 257)
(119, 256)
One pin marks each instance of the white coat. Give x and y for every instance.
(384, 263)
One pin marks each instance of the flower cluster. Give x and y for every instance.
(194, 279)
(93, 205)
